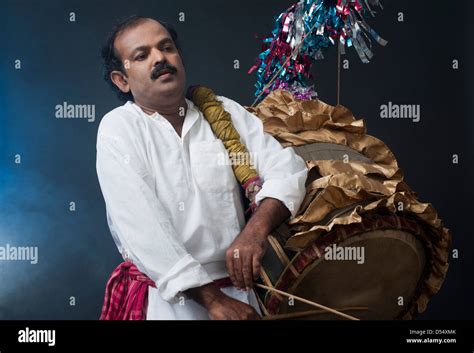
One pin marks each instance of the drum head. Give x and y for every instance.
(385, 282)
(329, 151)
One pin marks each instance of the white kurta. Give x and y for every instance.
(174, 207)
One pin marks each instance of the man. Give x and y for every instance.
(172, 207)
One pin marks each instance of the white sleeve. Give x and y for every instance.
(283, 172)
(140, 221)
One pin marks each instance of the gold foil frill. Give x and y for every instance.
(328, 167)
(296, 123)
(338, 191)
(398, 202)
(281, 112)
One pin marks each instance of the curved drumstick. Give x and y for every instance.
(307, 301)
(300, 314)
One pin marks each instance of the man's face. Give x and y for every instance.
(146, 51)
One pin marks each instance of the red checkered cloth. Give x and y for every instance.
(126, 293)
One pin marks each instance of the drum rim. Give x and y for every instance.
(302, 258)
(416, 245)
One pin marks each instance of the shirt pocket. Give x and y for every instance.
(210, 166)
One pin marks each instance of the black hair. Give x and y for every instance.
(111, 59)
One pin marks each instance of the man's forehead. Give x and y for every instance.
(145, 33)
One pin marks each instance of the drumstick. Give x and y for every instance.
(307, 302)
(309, 312)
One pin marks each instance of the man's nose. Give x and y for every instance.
(157, 56)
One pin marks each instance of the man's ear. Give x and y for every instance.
(120, 80)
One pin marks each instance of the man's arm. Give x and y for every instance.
(269, 215)
(245, 254)
(284, 174)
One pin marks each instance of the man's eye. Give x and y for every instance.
(140, 57)
(168, 48)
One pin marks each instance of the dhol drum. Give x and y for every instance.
(378, 268)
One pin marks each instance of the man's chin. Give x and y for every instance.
(168, 89)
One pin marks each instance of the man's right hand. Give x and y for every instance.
(221, 306)
(227, 308)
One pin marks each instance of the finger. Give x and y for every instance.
(247, 271)
(235, 315)
(256, 315)
(230, 267)
(256, 266)
(237, 260)
(253, 315)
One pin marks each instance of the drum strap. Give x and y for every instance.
(221, 124)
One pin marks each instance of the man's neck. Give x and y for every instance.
(174, 113)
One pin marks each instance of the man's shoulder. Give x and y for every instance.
(118, 121)
(236, 110)
(228, 102)
(240, 115)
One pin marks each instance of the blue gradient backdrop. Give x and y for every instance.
(60, 62)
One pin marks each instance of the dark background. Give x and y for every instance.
(61, 62)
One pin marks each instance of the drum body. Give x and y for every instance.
(373, 269)
(377, 264)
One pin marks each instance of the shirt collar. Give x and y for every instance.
(192, 115)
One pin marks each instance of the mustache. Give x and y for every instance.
(160, 67)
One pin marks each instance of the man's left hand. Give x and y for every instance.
(244, 258)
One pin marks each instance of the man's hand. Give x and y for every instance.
(244, 256)
(227, 308)
(221, 306)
